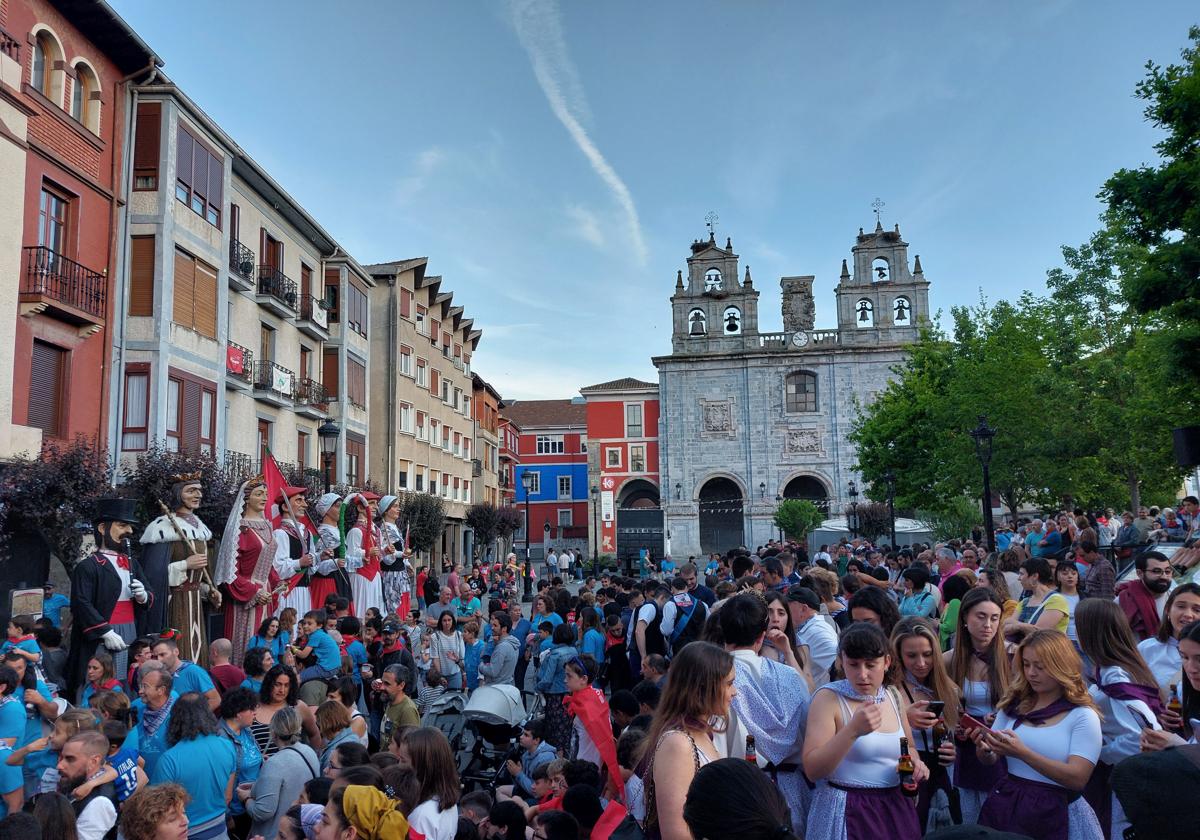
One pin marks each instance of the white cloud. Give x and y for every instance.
(423, 168)
(539, 29)
(585, 225)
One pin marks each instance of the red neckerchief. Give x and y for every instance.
(121, 560)
(370, 566)
(27, 637)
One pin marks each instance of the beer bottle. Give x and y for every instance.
(751, 752)
(1174, 705)
(939, 733)
(904, 767)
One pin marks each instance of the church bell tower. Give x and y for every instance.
(883, 301)
(712, 309)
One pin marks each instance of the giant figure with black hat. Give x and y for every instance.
(175, 557)
(108, 593)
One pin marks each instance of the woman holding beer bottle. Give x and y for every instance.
(932, 700)
(1161, 651)
(1183, 716)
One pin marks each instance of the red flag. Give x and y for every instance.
(609, 820)
(590, 707)
(276, 486)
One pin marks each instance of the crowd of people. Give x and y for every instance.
(851, 694)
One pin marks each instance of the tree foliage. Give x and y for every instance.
(797, 517)
(149, 481)
(954, 519)
(509, 521)
(872, 520)
(52, 497)
(425, 517)
(484, 519)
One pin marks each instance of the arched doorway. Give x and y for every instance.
(721, 519)
(810, 488)
(639, 521)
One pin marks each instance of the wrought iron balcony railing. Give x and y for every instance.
(310, 392)
(239, 362)
(269, 376)
(241, 260)
(273, 282)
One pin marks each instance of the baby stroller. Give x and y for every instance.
(445, 714)
(493, 716)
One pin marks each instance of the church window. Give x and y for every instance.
(902, 310)
(732, 319)
(864, 313)
(697, 323)
(712, 280)
(801, 392)
(880, 270)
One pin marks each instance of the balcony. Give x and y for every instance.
(273, 384)
(277, 292)
(238, 465)
(241, 267)
(313, 320)
(239, 367)
(310, 399)
(60, 288)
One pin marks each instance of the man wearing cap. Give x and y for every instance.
(107, 594)
(394, 652)
(329, 575)
(364, 548)
(295, 549)
(175, 558)
(813, 633)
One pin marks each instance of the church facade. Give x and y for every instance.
(750, 417)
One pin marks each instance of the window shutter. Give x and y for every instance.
(205, 300)
(190, 434)
(45, 387)
(185, 291)
(145, 144)
(405, 303)
(330, 373)
(183, 156)
(216, 181)
(141, 275)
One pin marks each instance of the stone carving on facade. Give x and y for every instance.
(717, 418)
(799, 308)
(802, 442)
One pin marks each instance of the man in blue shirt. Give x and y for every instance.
(1051, 541)
(466, 606)
(53, 603)
(40, 709)
(186, 676)
(149, 736)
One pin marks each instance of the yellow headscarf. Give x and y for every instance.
(372, 814)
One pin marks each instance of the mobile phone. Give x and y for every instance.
(936, 707)
(968, 723)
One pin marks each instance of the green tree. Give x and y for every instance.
(425, 517)
(954, 520)
(797, 517)
(1156, 210)
(872, 520)
(484, 519)
(148, 479)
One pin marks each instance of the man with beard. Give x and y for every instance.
(107, 594)
(1143, 599)
(82, 759)
(175, 557)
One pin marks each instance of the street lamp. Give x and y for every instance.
(852, 521)
(527, 485)
(778, 501)
(890, 478)
(678, 491)
(328, 432)
(983, 435)
(595, 531)
(762, 490)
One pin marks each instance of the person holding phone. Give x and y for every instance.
(932, 700)
(1052, 756)
(978, 665)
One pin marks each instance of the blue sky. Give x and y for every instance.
(554, 160)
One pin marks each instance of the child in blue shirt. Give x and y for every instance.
(21, 639)
(349, 627)
(123, 767)
(472, 652)
(321, 645)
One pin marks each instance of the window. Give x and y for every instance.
(406, 418)
(333, 280)
(43, 60)
(550, 445)
(637, 458)
(458, 399)
(47, 381)
(141, 275)
(434, 331)
(456, 447)
(801, 392)
(199, 177)
(420, 425)
(865, 313)
(146, 146)
(697, 324)
(582, 446)
(302, 450)
(467, 448)
(633, 420)
(445, 391)
(406, 300)
(564, 487)
(457, 488)
(612, 457)
(266, 343)
(902, 308)
(564, 518)
(402, 476)
(445, 437)
(732, 319)
(264, 439)
(356, 383)
(195, 306)
(712, 280)
(421, 319)
(435, 380)
(422, 373)
(445, 486)
(329, 373)
(356, 458)
(535, 483)
(135, 432)
(54, 212)
(406, 361)
(433, 482)
(191, 413)
(419, 480)
(85, 98)
(356, 309)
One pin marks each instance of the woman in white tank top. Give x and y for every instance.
(852, 747)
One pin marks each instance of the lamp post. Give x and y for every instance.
(983, 435)
(778, 502)
(328, 432)
(852, 520)
(526, 485)
(595, 531)
(890, 478)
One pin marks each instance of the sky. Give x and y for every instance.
(554, 160)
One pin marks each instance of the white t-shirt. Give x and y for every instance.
(426, 822)
(644, 613)
(1078, 733)
(587, 751)
(822, 643)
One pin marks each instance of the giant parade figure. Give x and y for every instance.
(364, 547)
(330, 577)
(246, 566)
(296, 551)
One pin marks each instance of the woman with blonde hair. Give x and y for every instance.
(694, 705)
(923, 679)
(1052, 757)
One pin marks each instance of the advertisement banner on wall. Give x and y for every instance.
(607, 509)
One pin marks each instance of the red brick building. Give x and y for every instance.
(76, 60)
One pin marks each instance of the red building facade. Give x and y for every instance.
(77, 60)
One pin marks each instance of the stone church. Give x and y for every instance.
(748, 416)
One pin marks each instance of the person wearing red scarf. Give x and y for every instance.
(363, 549)
(1143, 598)
(592, 735)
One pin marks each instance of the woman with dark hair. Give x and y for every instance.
(271, 636)
(978, 665)
(433, 763)
(236, 713)
(345, 690)
(954, 589)
(1066, 584)
(992, 578)
(203, 761)
(591, 636)
(333, 722)
(1161, 651)
(1044, 609)
(281, 687)
(257, 662)
(100, 677)
(1188, 730)
(780, 642)
(552, 683)
(917, 600)
(695, 701)
(871, 605)
(756, 812)
(57, 817)
(852, 744)
(447, 650)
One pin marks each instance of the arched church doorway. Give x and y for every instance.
(639, 522)
(807, 487)
(721, 519)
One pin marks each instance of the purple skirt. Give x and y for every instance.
(874, 813)
(972, 774)
(1024, 806)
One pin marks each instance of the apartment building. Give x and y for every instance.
(422, 427)
(65, 72)
(485, 406)
(509, 434)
